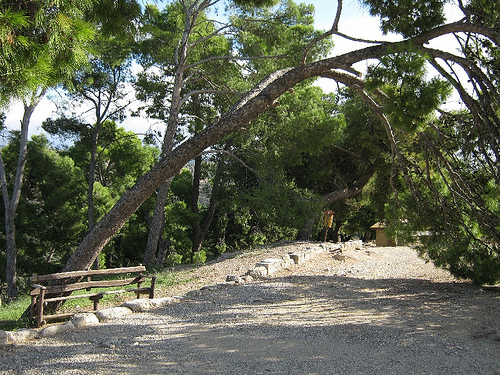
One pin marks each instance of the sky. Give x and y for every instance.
(355, 21)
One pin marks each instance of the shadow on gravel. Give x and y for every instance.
(297, 325)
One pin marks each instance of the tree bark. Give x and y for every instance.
(164, 247)
(196, 240)
(12, 202)
(157, 225)
(158, 221)
(91, 181)
(205, 224)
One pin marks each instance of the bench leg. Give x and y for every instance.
(33, 307)
(152, 289)
(40, 303)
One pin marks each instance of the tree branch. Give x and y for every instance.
(226, 152)
(186, 97)
(325, 35)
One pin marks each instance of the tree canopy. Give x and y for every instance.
(246, 82)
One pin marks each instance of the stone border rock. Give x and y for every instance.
(271, 266)
(264, 268)
(83, 320)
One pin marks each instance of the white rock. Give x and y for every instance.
(247, 278)
(258, 272)
(4, 338)
(113, 313)
(57, 329)
(272, 265)
(287, 261)
(148, 304)
(84, 320)
(19, 336)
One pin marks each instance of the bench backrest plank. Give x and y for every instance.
(75, 274)
(52, 289)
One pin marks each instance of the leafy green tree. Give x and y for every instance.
(42, 44)
(121, 158)
(197, 66)
(189, 62)
(446, 161)
(98, 93)
(451, 198)
(49, 216)
(309, 153)
(478, 58)
(341, 171)
(264, 189)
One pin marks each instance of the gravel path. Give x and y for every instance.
(382, 311)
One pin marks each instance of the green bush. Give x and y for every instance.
(199, 257)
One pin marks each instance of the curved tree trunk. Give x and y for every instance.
(255, 102)
(237, 118)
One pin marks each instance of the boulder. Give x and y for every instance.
(272, 265)
(148, 304)
(113, 313)
(287, 261)
(19, 336)
(84, 320)
(57, 329)
(258, 272)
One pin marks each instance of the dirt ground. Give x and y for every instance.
(381, 311)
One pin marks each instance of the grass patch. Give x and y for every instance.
(10, 313)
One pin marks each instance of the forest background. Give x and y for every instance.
(244, 147)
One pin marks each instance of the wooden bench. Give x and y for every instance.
(57, 287)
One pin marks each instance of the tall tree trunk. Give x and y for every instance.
(305, 234)
(205, 224)
(156, 226)
(12, 202)
(157, 222)
(336, 230)
(11, 261)
(91, 181)
(196, 240)
(164, 247)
